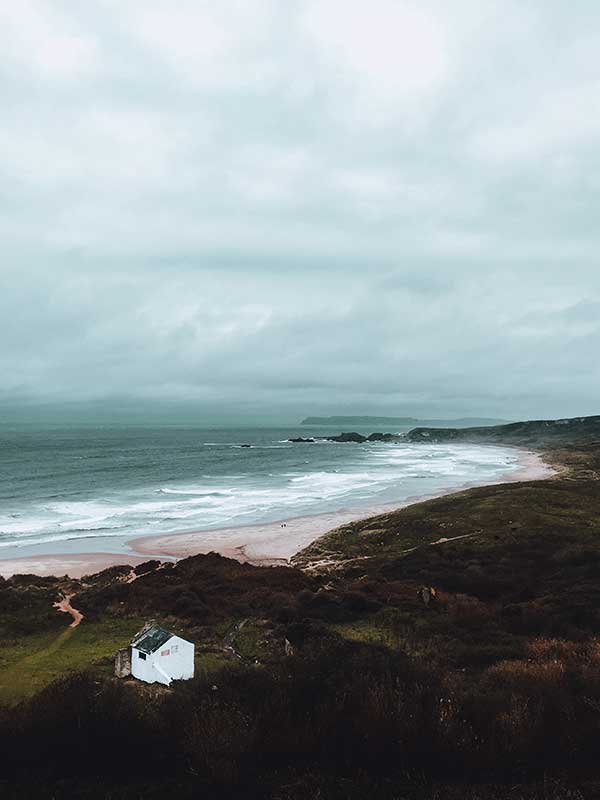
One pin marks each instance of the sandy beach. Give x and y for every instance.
(266, 544)
(276, 542)
(73, 565)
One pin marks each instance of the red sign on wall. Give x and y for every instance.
(165, 652)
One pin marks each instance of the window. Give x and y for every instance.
(142, 656)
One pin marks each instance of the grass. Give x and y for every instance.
(210, 663)
(31, 661)
(250, 642)
(35, 660)
(395, 630)
(371, 631)
(484, 516)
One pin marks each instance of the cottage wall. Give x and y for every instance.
(142, 668)
(175, 658)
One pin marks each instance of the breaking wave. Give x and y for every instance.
(280, 482)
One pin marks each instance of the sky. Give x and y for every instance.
(302, 206)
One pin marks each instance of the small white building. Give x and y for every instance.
(159, 656)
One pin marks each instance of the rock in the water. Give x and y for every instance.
(300, 439)
(347, 437)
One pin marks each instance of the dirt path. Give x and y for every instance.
(229, 639)
(446, 539)
(65, 606)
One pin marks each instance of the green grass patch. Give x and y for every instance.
(370, 631)
(249, 642)
(35, 660)
(210, 663)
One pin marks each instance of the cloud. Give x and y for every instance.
(207, 45)
(390, 49)
(46, 44)
(301, 206)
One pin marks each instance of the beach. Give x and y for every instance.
(270, 543)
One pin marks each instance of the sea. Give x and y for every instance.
(95, 488)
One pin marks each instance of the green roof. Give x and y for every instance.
(150, 639)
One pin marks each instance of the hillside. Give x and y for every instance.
(535, 433)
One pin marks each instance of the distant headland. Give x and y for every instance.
(463, 422)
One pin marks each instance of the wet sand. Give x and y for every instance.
(266, 544)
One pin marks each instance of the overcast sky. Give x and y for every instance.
(306, 206)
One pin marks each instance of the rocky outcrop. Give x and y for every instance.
(382, 437)
(427, 594)
(123, 662)
(347, 437)
(351, 436)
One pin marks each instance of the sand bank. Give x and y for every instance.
(267, 543)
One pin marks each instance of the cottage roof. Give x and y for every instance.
(150, 639)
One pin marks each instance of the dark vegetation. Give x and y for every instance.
(490, 690)
(201, 590)
(26, 606)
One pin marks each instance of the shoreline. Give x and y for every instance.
(270, 543)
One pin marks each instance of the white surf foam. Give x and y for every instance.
(369, 473)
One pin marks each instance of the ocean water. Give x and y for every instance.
(100, 485)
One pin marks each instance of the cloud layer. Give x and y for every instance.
(305, 206)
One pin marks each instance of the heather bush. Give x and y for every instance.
(334, 707)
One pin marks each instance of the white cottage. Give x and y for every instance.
(158, 656)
